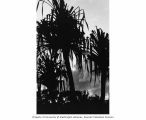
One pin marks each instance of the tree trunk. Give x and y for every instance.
(103, 82)
(69, 72)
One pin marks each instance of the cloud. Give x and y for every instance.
(82, 82)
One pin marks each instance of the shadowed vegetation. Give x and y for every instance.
(60, 36)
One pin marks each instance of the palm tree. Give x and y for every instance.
(100, 44)
(62, 31)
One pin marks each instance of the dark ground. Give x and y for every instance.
(71, 103)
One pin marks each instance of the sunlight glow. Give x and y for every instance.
(90, 91)
(73, 63)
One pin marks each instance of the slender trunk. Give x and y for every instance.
(103, 81)
(69, 72)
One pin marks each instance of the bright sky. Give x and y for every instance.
(96, 11)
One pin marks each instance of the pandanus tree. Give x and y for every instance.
(62, 31)
(100, 45)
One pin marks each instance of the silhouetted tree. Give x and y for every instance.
(60, 37)
(100, 44)
(63, 30)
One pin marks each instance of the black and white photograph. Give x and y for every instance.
(72, 57)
